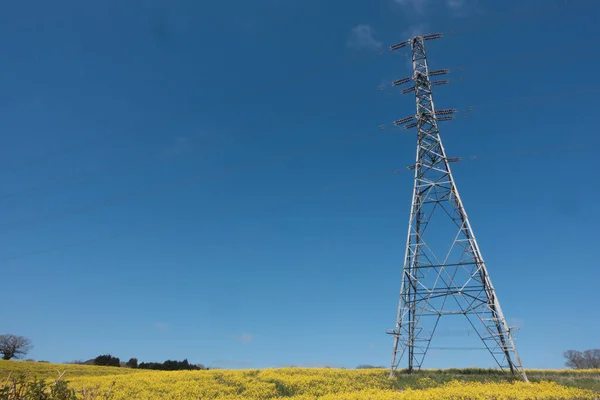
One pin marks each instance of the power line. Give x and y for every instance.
(519, 56)
(98, 140)
(159, 225)
(282, 156)
(346, 97)
(513, 101)
(115, 200)
(180, 183)
(155, 226)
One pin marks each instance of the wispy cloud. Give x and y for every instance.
(245, 338)
(362, 38)
(460, 8)
(415, 30)
(455, 4)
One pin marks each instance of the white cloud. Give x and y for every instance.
(362, 38)
(455, 4)
(415, 30)
(460, 8)
(245, 338)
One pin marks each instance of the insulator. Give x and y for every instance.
(453, 159)
(419, 76)
(401, 81)
(398, 46)
(408, 90)
(446, 118)
(432, 36)
(410, 125)
(439, 72)
(447, 111)
(443, 82)
(404, 120)
(411, 167)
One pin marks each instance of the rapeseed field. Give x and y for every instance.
(291, 384)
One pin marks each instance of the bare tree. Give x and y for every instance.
(592, 358)
(588, 359)
(13, 346)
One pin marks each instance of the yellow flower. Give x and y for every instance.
(287, 384)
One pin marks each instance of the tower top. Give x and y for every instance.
(430, 36)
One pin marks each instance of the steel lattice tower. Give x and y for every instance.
(444, 272)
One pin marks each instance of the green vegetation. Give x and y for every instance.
(25, 387)
(107, 360)
(171, 365)
(583, 379)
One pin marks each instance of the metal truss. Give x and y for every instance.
(444, 273)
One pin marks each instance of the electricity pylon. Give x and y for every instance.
(444, 273)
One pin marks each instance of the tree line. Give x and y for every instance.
(588, 359)
(169, 365)
(13, 346)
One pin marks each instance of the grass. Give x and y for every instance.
(587, 379)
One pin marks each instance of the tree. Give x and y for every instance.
(588, 359)
(13, 346)
(171, 365)
(132, 363)
(592, 358)
(107, 360)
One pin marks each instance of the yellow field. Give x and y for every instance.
(286, 383)
(47, 370)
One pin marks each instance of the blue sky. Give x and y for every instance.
(207, 180)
